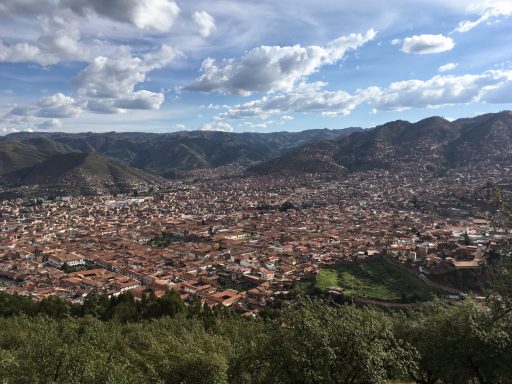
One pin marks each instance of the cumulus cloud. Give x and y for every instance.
(488, 11)
(59, 40)
(426, 44)
(158, 15)
(58, 105)
(272, 68)
(493, 86)
(447, 67)
(217, 126)
(205, 22)
(439, 91)
(105, 86)
(54, 106)
(108, 83)
(53, 124)
(500, 93)
(328, 103)
(59, 23)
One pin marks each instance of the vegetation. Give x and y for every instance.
(120, 340)
(123, 308)
(286, 206)
(374, 279)
(155, 153)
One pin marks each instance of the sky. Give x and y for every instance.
(249, 65)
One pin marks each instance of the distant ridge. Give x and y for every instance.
(80, 173)
(94, 162)
(163, 153)
(432, 143)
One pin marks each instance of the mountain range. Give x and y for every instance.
(432, 143)
(95, 162)
(118, 160)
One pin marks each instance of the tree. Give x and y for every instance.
(500, 284)
(97, 305)
(466, 239)
(286, 206)
(456, 343)
(338, 344)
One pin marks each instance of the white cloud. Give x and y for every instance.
(53, 124)
(493, 86)
(266, 68)
(58, 105)
(287, 117)
(217, 126)
(108, 83)
(59, 23)
(158, 15)
(396, 42)
(488, 10)
(440, 90)
(426, 44)
(181, 127)
(105, 86)
(328, 103)
(54, 106)
(447, 67)
(500, 93)
(141, 100)
(205, 22)
(59, 40)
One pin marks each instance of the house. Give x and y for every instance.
(70, 259)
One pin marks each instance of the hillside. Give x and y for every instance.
(15, 155)
(163, 153)
(432, 143)
(314, 158)
(79, 173)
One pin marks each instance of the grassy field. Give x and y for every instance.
(374, 280)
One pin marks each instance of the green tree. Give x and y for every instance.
(338, 344)
(456, 344)
(286, 206)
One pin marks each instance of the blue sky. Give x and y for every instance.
(249, 65)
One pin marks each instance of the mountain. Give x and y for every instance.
(486, 138)
(79, 173)
(115, 161)
(312, 158)
(16, 155)
(432, 143)
(164, 153)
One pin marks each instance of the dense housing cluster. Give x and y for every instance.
(246, 242)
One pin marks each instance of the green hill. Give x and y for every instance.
(80, 173)
(430, 143)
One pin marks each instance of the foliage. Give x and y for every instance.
(161, 341)
(123, 308)
(374, 279)
(286, 206)
(458, 343)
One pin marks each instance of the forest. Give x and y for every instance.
(162, 340)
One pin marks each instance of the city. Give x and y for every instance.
(233, 241)
(255, 192)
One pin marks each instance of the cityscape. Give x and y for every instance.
(255, 192)
(247, 242)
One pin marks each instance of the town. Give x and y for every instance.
(247, 242)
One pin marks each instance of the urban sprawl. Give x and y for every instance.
(245, 242)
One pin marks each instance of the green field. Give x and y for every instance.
(374, 279)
